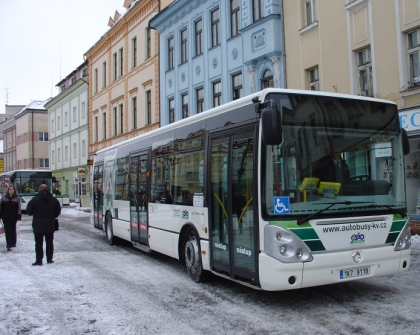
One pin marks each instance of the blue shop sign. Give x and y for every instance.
(410, 120)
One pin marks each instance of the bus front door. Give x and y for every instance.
(98, 196)
(139, 196)
(234, 246)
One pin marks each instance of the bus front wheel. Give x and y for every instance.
(193, 256)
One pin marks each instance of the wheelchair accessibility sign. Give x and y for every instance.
(281, 205)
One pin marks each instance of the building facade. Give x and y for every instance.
(68, 134)
(10, 110)
(124, 80)
(362, 47)
(26, 138)
(213, 52)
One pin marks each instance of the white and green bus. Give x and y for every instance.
(26, 183)
(244, 190)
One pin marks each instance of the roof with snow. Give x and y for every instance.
(34, 105)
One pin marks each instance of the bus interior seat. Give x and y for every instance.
(365, 187)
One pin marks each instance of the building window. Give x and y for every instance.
(66, 153)
(309, 12)
(365, 72)
(43, 137)
(200, 100)
(184, 48)
(58, 123)
(95, 81)
(66, 119)
(134, 111)
(121, 119)
(217, 93)
(184, 99)
(104, 126)
(171, 104)
(414, 57)
(96, 130)
(257, 9)
(83, 110)
(52, 128)
(59, 155)
(115, 117)
(18, 140)
(83, 148)
(237, 86)
(314, 79)
(114, 66)
(234, 18)
(74, 114)
(215, 27)
(134, 51)
(148, 107)
(121, 61)
(43, 163)
(74, 150)
(198, 37)
(148, 44)
(52, 157)
(267, 80)
(103, 74)
(25, 164)
(170, 53)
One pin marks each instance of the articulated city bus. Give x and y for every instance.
(246, 191)
(26, 183)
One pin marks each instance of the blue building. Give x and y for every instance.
(213, 52)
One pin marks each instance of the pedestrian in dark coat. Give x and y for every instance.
(45, 209)
(10, 213)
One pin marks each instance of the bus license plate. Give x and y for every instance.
(357, 272)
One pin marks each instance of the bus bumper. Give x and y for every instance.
(326, 268)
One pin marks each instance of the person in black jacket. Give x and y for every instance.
(45, 209)
(10, 213)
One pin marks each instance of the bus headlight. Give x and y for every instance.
(285, 246)
(403, 241)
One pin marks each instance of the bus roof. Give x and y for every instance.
(247, 100)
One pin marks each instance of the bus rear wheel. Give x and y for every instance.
(193, 260)
(108, 230)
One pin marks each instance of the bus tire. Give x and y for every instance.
(193, 260)
(108, 229)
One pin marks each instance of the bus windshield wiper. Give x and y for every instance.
(330, 204)
(399, 212)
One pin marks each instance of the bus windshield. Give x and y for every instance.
(334, 150)
(27, 182)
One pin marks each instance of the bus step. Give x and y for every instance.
(141, 247)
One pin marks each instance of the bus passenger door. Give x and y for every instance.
(139, 196)
(98, 195)
(233, 223)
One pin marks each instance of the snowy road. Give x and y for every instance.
(93, 288)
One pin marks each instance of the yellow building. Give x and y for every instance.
(361, 47)
(124, 77)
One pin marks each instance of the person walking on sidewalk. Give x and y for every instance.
(10, 213)
(45, 209)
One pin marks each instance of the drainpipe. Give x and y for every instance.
(33, 139)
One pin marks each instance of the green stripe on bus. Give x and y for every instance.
(397, 226)
(289, 224)
(306, 233)
(315, 245)
(392, 237)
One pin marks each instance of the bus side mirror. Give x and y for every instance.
(271, 125)
(54, 180)
(405, 142)
(12, 179)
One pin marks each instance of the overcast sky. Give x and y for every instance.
(42, 41)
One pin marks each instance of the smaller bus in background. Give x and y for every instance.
(26, 183)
